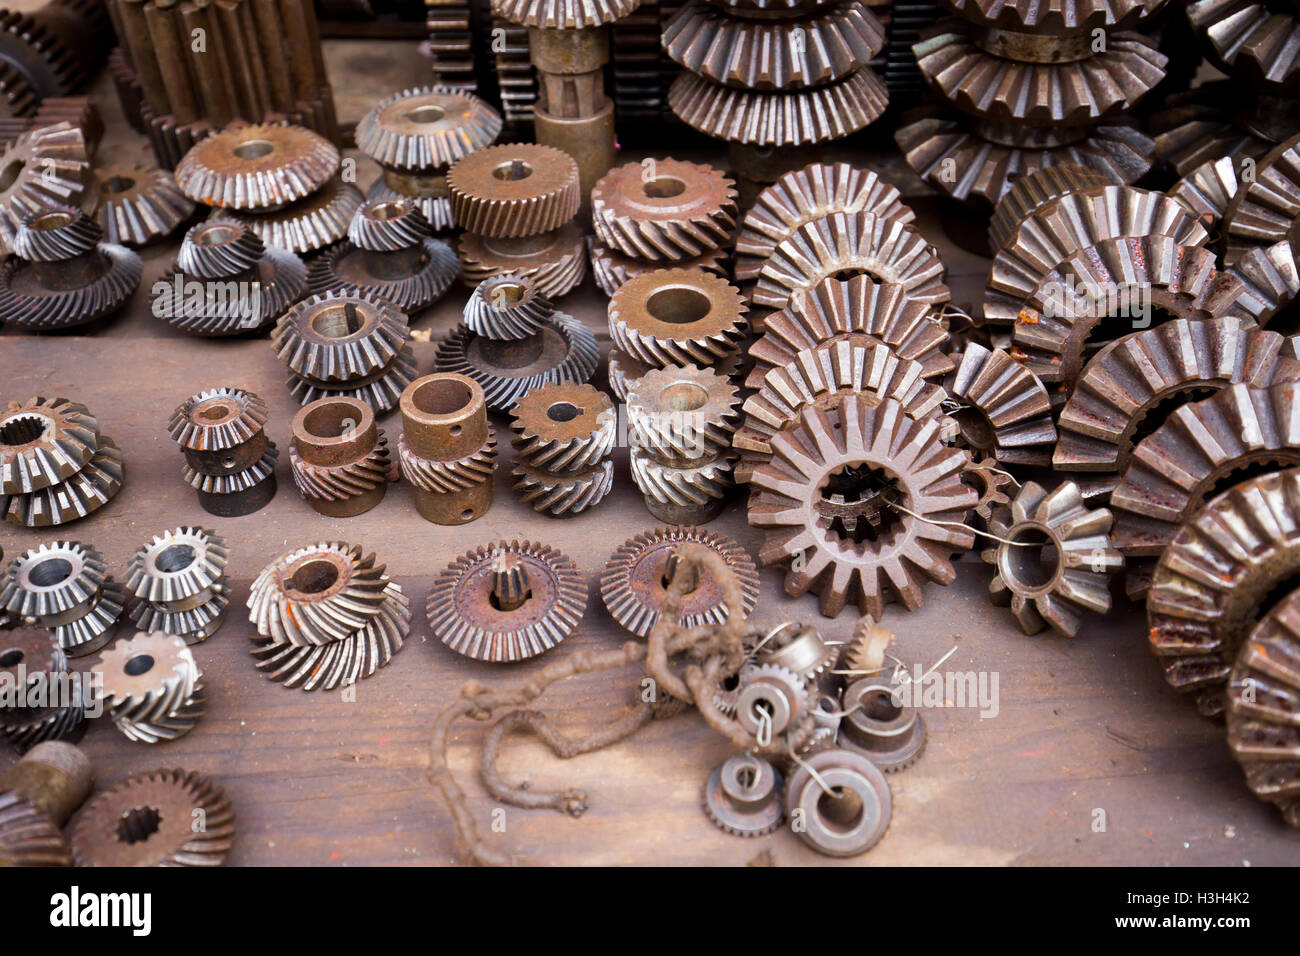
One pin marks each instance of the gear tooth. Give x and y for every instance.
(230, 169)
(565, 14)
(426, 128)
(434, 204)
(700, 217)
(545, 198)
(556, 269)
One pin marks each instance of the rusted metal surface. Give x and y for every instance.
(666, 210)
(339, 457)
(447, 449)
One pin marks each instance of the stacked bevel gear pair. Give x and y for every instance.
(229, 460)
(517, 205)
(178, 579)
(448, 449)
(152, 687)
(326, 616)
(55, 465)
(41, 702)
(513, 340)
(339, 456)
(1033, 85)
(415, 136)
(280, 182)
(188, 69)
(775, 80)
(564, 442)
(657, 213)
(49, 166)
(50, 51)
(64, 587)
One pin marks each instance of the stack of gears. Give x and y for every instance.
(220, 256)
(64, 588)
(139, 205)
(346, 344)
(775, 84)
(448, 449)
(47, 167)
(256, 64)
(660, 212)
(152, 687)
(513, 340)
(475, 52)
(339, 457)
(642, 70)
(1033, 85)
(179, 583)
(55, 465)
(34, 663)
(38, 795)
(415, 136)
(229, 460)
(517, 205)
(564, 443)
(52, 51)
(326, 616)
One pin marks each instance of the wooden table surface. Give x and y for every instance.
(1082, 725)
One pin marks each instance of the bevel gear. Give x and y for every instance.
(43, 442)
(431, 196)
(507, 307)
(64, 586)
(139, 204)
(1209, 189)
(876, 456)
(1256, 40)
(178, 580)
(743, 796)
(556, 261)
(152, 686)
(1271, 277)
(260, 166)
(612, 269)
(800, 650)
(664, 209)
(507, 601)
(516, 190)
(311, 223)
(46, 167)
(1266, 207)
(148, 820)
(317, 594)
(563, 14)
(76, 497)
(677, 317)
(564, 436)
(426, 128)
(1005, 411)
(1057, 17)
(1031, 192)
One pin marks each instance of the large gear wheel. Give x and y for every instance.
(153, 687)
(563, 14)
(1258, 40)
(1033, 191)
(677, 317)
(311, 223)
(874, 457)
(664, 209)
(516, 190)
(44, 441)
(148, 820)
(139, 204)
(1006, 411)
(507, 601)
(262, 166)
(1055, 558)
(1266, 208)
(314, 595)
(426, 128)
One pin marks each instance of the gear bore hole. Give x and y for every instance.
(691, 582)
(138, 824)
(314, 577)
(50, 221)
(215, 234)
(856, 500)
(116, 186)
(747, 777)
(501, 295)
(11, 657)
(840, 810)
(442, 396)
(9, 175)
(513, 171)
(563, 412)
(683, 397)
(254, 149)
(424, 114)
(50, 572)
(1031, 562)
(385, 211)
(138, 665)
(174, 557)
(338, 321)
(22, 430)
(215, 413)
(664, 187)
(976, 428)
(331, 421)
(678, 305)
(1159, 413)
(880, 705)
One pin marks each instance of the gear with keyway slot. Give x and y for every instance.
(564, 434)
(426, 128)
(139, 204)
(1005, 411)
(152, 687)
(262, 166)
(664, 209)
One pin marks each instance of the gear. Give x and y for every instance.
(311, 223)
(622, 370)
(677, 317)
(1266, 208)
(1272, 280)
(47, 167)
(844, 773)
(799, 197)
(507, 307)
(801, 651)
(692, 493)
(447, 450)
(339, 457)
(1208, 189)
(563, 14)
(33, 661)
(507, 602)
(555, 261)
(28, 837)
(148, 820)
(317, 594)
(78, 497)
(775, 706)
(681, 414)
(564, 435)
(796, 118)
(1006, 411)
(1213, 581)
(219, 420)
(139, 204)
(1253, 39)
(837, 309)
(743, 796)
(1206, 124)
(1058, 17)
(53, 582)
(44, 441)
(153, 687)
(1126, 391)
(261, 166)
(860, 243)
(426, 128)
(432, 198)
(179, 582)
(757, 54)
(875, 456)
(612, 269)
(989, 482)
(664, 209)
(519, 190)
(864, 654)
(878, 726)
(1032, 192)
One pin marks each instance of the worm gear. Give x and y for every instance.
(664, 209)
(153, 687)
(1213, 580)
(1263, 692)
(564, 436)
(1271, 277)
(311, 223)
(1031, 192)
(634, 581)
(62, 275)
(317, 594)
(1266, 207)
(677, 317)
(1145, 372)
(1256, 40)
(756, 54)
(1005, 409)
(874, 456)
(339, 457)
(49, 166)
(743, 796)
(507, 601)
(840, 309)
(44, 441)
(447, 449)
(612, 269)
(556, 261)
(178, 580)
(139, 204)
(1059, 562)
(507, 307)
(887, 250)
(781, 119)
(802, 195)
(261, 166)
(64, 587)
(389, 253)
(563, 14)
(426, 128)
(512, 191)
(148, 820)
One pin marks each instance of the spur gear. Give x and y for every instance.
(426, 128)
(311, 223)
(260, 166)
(44, 441)
(148, 820)
(153, 687)
(775, 705)
(317, 594)
(875, 457)
(743, 796)
(991, 483)
(880, 727)
(178, 580)
(664, 209)
(677, 317)
(507, 602)
(1005, 411)
(846, 773)
(564, 436)
(139, 204)
(513, 191)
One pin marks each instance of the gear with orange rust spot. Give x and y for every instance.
(664, 209)
(677, 317)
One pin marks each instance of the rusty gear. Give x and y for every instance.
(743, 796)
(564, 435)
(262, 166)
(1208, 189)
(690, 493)
(512, 191)
(447, 449)
(1031, 192)
(317, 594)
(339, 457)
(147, 820)
(1271, 277)
(563, 14)
(1136, 375)
(664, 209)
(1006, 412)
(876, 456)
(677, 317)
(889, 733)
(426, 128)
(1058, 17)
(1266, 208)
(178, 580)
(507, 601)
(1256, 40)
(28, 837)
(43, 442)
(311, 223)
(887, 250)
(1210, 584)
(991, 483)
(774, 702)
(803, 195)
(864, 818)
(682, 413)
(507, 307)
(153, 687)
(35, 655)
(800, 650)
(622, 370)
(612, 269)
(49, 166)
(1061, 560)
(84, 493)
(139, 204)
(431, 197)
(64, 586)
(555, 261)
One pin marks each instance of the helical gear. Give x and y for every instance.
(152, 687)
